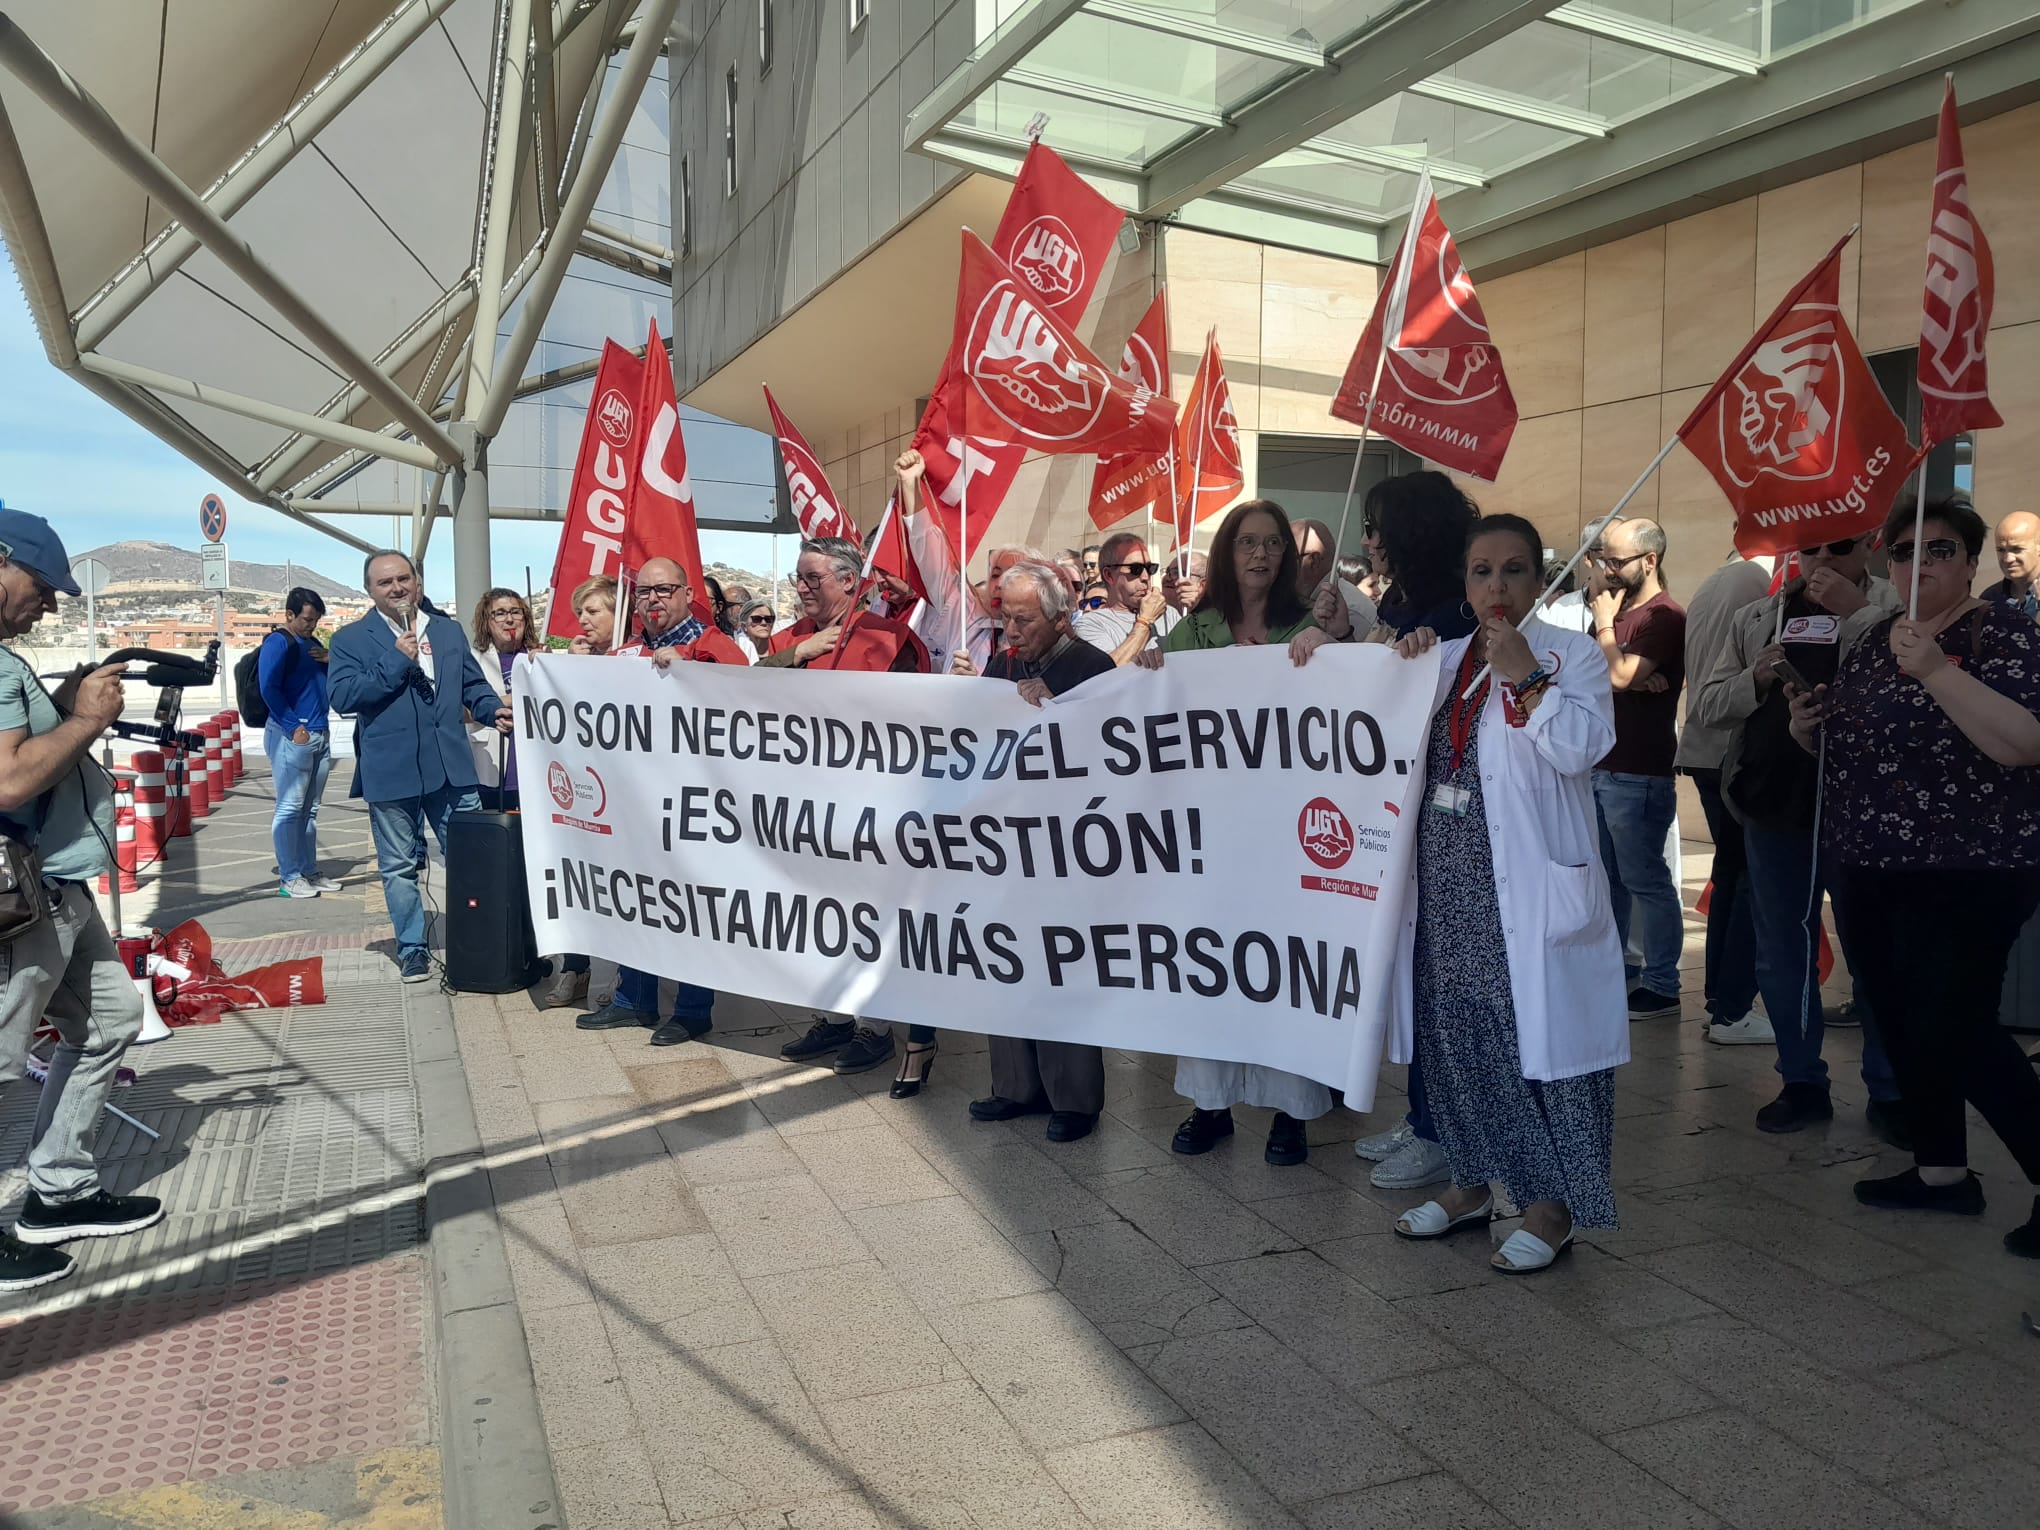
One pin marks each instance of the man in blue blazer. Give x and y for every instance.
(405, 675)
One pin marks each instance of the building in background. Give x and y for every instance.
(1634, 184)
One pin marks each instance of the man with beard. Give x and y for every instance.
(1642, 632)
(833, 633)
(1772, 786)
(1043, 658)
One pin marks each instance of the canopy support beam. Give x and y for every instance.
(393, 447)
(71, 101)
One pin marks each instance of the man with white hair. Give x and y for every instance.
(1043, 658)
(1135, 616)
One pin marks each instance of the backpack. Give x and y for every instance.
(248, 685)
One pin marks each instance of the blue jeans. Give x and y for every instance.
(640, 991)
(1636, 814)
(399, 830)
(298, 772)
(1785, 894)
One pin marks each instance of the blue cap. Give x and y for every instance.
(32, 542)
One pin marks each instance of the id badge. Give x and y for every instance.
(1456, 800)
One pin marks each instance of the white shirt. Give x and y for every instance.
(420, 625)
(1109, 626)
(1358, 608)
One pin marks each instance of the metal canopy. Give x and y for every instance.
(270, 233)
(1305, 122)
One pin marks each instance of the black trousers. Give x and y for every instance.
(1933, 943)
(1731, 937)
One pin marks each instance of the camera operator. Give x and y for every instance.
(59, 961)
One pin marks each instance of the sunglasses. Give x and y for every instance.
(1839, 549)
(757, 621)
(1149, 569)
(1093, 603)
(1939, 550)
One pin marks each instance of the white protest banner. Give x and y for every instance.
(1210, 861)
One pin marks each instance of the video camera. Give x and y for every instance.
(170, 673)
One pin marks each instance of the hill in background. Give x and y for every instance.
(148, 567)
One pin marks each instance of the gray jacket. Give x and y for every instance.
(1728, 696)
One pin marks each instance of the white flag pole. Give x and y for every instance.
(1359, 451)
(1188, 529)
(1588, 538)
(1912, 604)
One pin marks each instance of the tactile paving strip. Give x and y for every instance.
(148, 1390)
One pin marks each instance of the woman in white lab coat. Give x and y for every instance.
(1510, 987)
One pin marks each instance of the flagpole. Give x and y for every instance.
(1588, 538)
(1912, 604)
(864, 581)
(1359, 451)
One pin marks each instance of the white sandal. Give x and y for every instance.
(1431, 1220)
(1524, 1253)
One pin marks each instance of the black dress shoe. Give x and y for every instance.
(1287, 1146)
(997, 1107)
(616, 1017)
(916, 1068)
(1797, 1107)
(1908, 1192)
(2024, 1240)
(675, 1031)
(822, 1038)
(1071, 1125)
(1203, 1131)
(868, 1049)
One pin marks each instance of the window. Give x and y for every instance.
(729, 132)
(860, 11)
(686, 208)
(764, 36)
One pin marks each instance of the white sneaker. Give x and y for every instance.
(1384, 1144)
(1753, 1030)
(324, 884)
(297, 887)
(1417, 1162)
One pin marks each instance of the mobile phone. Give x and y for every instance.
(1794, 680)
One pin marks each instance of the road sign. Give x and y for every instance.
(212, 566)
(92, 575)
(212, 518)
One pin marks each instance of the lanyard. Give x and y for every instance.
(1465, 713)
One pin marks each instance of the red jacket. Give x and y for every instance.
(874, 643)
(710, 648)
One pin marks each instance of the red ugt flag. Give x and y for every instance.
(1955, 317)
(661, 520)
(591, 541)
(1056, 236)
(1028, 381)
(815, 504)
(1123, 486)
(1796, 431)
(1443, 394)
(1208, 443)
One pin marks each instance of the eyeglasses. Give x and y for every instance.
(507, 614)
(1148, 569)
(1839, 549)
(1608, 561)
(811, 581)
(1939, 550)
(658, 591)
(1273, 544)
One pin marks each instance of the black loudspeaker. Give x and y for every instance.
(489, 944)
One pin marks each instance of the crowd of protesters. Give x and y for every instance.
(1839, 748)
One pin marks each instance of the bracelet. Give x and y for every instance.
(1531, 681)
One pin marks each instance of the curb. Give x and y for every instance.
(496, 1465)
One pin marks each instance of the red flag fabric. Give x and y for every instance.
(661, 520)
(1796, 431)
(1955, 316)
(1208, 446)
(1056, 236)
(1029, 381)
(815, 504)
(591, 541)
(1126, 485)
(1443, 393)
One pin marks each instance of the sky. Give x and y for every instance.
(98, 478)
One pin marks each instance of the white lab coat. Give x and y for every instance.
(1565, 964)
(487, 745)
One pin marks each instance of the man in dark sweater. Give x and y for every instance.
(1042, 658)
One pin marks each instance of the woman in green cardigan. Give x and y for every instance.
(1250, 596)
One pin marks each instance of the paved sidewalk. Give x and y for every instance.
(761, 1296)
(265, 1356)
